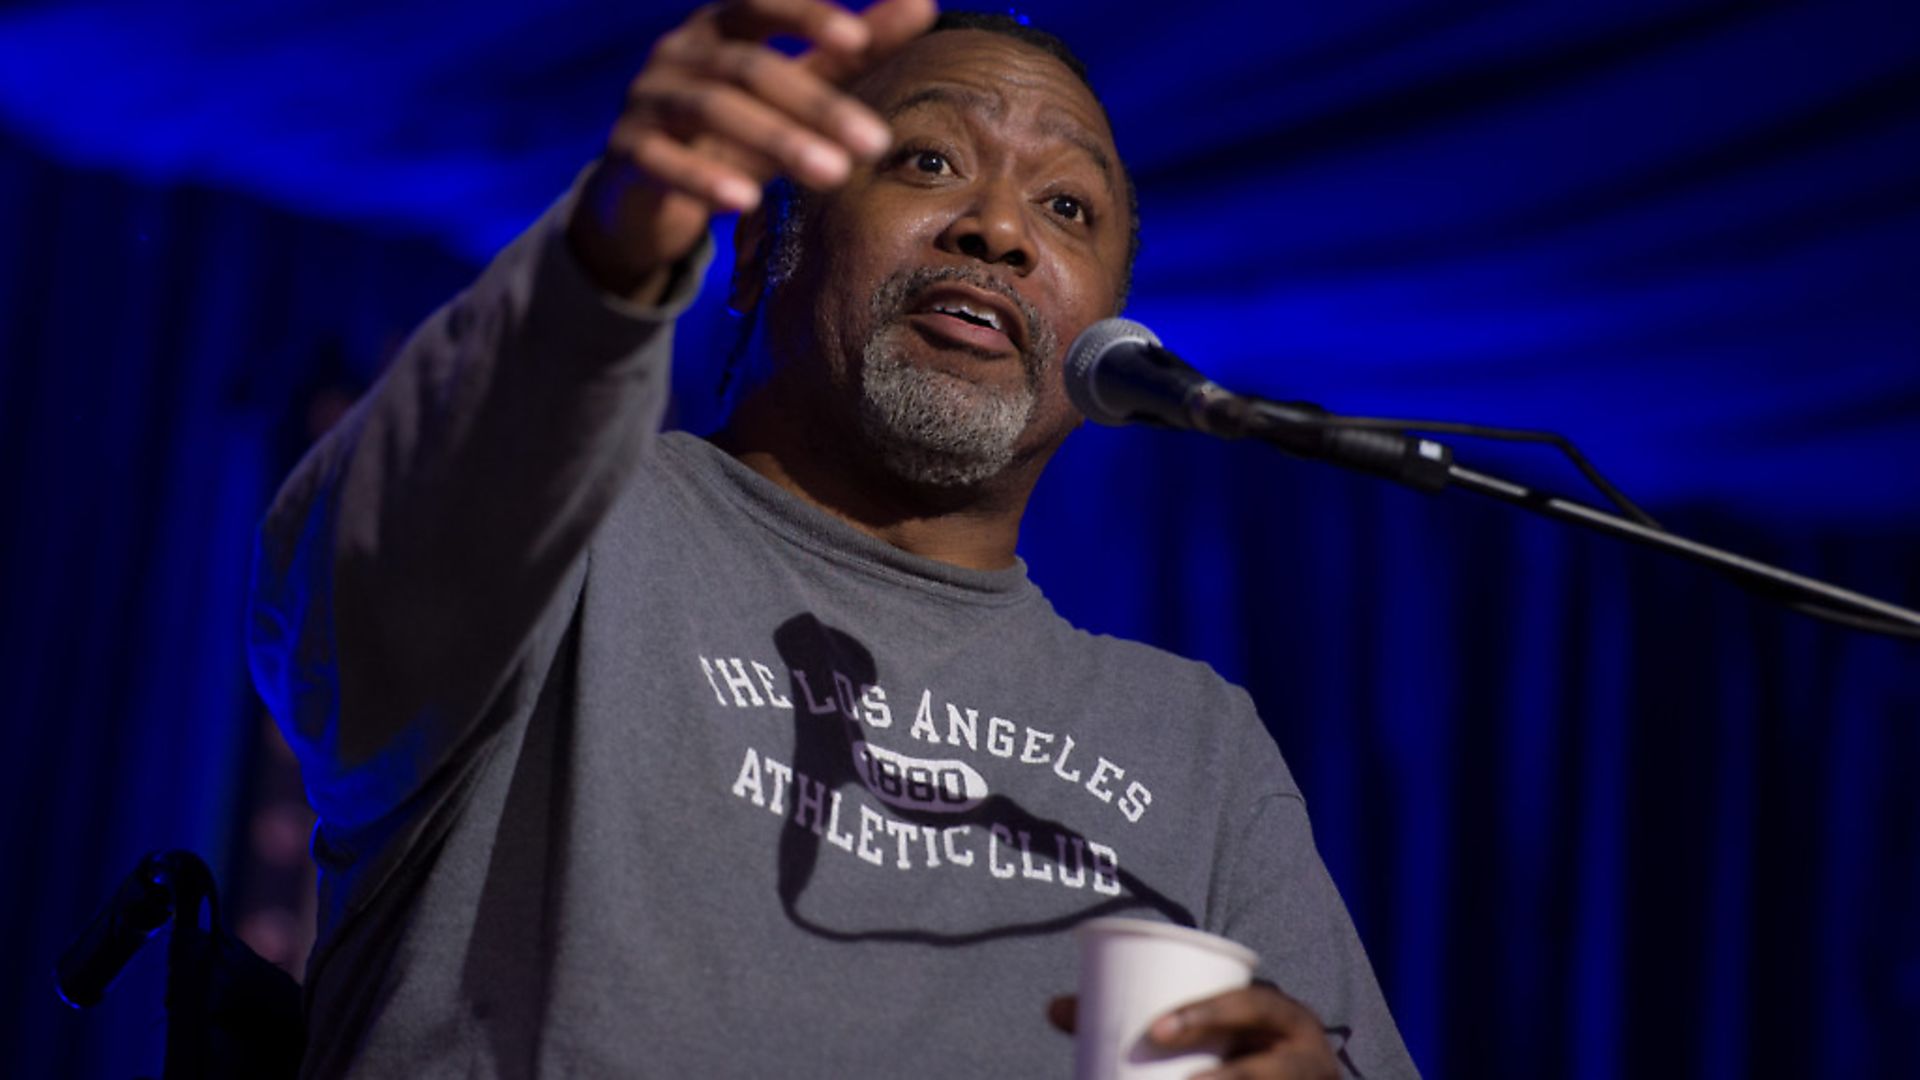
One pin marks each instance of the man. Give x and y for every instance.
(640, 755)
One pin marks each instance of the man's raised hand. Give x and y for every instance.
(716, 113)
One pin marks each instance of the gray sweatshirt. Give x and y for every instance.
(629, 762)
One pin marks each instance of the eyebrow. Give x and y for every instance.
(994, 107)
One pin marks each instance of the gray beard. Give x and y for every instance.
(933, 428)
(930, 427)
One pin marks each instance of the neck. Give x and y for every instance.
(974, 527)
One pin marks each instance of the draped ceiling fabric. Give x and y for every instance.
(1599, 813)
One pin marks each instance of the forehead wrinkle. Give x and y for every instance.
(963, 98)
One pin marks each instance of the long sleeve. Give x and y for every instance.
(1271, 892)
(405, 567)
(1283, 904)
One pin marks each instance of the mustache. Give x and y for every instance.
(899, 291)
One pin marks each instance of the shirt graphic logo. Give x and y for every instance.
(941, 785)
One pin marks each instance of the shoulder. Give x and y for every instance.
(679, 478)
(1147, 669)
(1182, 706)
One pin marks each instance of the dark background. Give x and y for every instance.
(1598, 812)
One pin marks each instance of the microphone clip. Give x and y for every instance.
(1308, 431)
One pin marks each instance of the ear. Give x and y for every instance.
(750, 238)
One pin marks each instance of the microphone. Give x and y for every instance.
(1117, 372)
(137, 910)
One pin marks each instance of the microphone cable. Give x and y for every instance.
(1565, 445)
(1614, 495)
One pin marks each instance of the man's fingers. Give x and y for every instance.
(1235, 1015)
(676, 167)
(893, 23)
(1265, 1032)
(890, 24)
(1064, 1012)
(1285, 1063)
(729, 115)
(723, 81)
(790, 87)
(827, 25)
(716, 113)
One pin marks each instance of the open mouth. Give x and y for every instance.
(957, 314)
(971, 332)
(968, 314)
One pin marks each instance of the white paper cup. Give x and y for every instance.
(1131, 973)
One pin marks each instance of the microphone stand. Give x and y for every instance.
(1782, 584)
(1305, 430)
(171, 886)
(230, 1014)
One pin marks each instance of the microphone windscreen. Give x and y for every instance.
(1083, 361)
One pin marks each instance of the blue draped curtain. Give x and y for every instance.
(151, 340)
(1598, 812)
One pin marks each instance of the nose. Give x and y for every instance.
(992, 226)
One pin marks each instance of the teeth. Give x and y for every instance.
(965, 312)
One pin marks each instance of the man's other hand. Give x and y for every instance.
(717, 112)
(1264, 1032)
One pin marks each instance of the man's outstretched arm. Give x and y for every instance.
(404, 568)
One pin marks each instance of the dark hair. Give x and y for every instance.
(1010, 26)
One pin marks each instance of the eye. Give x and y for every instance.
(931, 162)
(922, 161)
(1068, 207)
